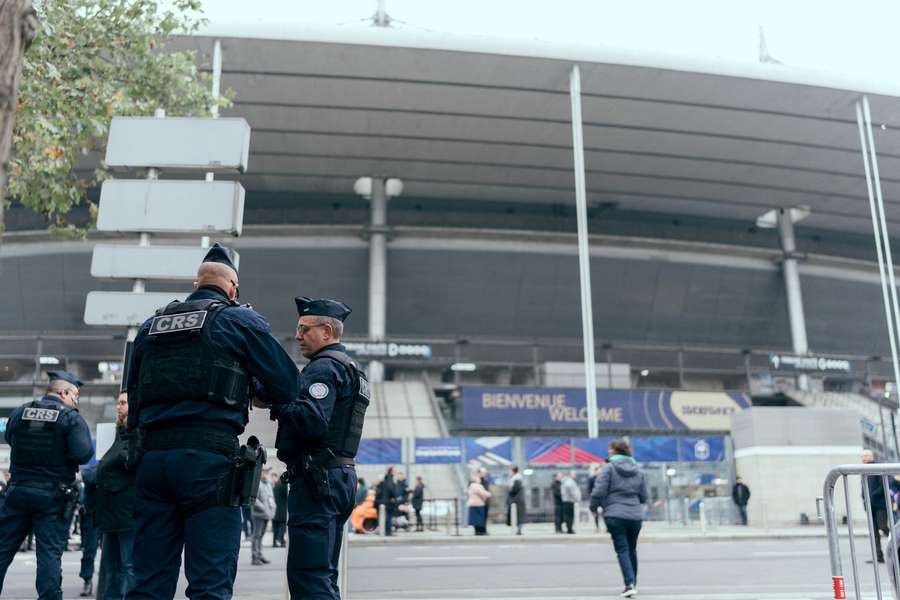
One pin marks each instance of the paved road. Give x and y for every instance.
(737, 570)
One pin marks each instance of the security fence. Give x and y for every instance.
(873, 519)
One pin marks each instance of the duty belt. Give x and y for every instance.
(49, 486)
(324, 459)
(173, 438)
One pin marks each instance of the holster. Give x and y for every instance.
(241, 485)
(69, 501)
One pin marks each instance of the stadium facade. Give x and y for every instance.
(481, 264)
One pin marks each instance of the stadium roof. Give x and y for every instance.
(490, 120)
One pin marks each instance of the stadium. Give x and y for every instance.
(478, 328)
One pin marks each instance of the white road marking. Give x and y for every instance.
(408, 558)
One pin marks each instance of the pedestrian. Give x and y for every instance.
(571, 495)
(740, 495)
(878, 508)
(189, 385)
(115, 513)
(418, 499)
(279, 523)
(486, 481)
(515, 500)
(263, 511)
(556, 492)
(89, 533)
(48, 439)
(318, 437)
(477, 497)
(385, 496)
(246, 523)
(402, 494)
(592, 479)
(621, 490)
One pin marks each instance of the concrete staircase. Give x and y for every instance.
(407, 409)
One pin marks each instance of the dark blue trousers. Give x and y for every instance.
(23, 509)
(315, 530)
(116, 565)
(89, 539)
(624, 533)
(169, 484)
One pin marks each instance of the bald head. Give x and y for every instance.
(219, 275)
(65, 391)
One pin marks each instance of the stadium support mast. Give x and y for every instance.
(584, 257)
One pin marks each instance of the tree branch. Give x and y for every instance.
(18, 27)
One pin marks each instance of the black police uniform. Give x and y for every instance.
(318, 436)
(49, 440)
(188, 395)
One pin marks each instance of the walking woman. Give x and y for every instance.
(621, 490)
(478, 497)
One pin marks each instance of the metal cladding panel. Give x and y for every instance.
(171, 206)
(127, 309)
(149, 262)
(179, 143)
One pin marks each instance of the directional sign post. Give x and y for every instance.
(151, 205)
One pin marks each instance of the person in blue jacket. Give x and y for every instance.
(189, 386)
(318, 437)
(49, 439)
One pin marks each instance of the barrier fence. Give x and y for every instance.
(833, 529)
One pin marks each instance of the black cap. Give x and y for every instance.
(219, 254)
(64, 376)
(322, 307)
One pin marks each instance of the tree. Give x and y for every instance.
(93, 60)
(18, 26)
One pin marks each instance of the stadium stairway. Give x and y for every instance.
(408, 409)
(867, 409)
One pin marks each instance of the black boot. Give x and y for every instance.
(88, 590)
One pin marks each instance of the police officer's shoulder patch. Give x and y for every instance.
(318, 390)
(47, 415)
(177, 323)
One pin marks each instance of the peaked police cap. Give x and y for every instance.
(322, 307)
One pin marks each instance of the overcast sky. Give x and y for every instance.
(849, 36)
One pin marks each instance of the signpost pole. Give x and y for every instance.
(587, 318)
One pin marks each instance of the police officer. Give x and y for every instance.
(318, 436)
(188, 395)
(49, 439)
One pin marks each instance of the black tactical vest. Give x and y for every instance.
(38, 439)
(180, 361)
(346, 424)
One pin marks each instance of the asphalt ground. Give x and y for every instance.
(522, 569)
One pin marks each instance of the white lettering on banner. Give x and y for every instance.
(555, 404)
(809, 363)
(388, 349)
(438, 451)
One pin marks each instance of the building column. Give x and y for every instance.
(377, 273)
(791, 273)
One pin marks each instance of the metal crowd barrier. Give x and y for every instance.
(833, 529)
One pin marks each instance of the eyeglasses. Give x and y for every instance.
(302, 329)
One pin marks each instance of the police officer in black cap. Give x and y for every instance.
(318, 436)
(49, 439)
(189, 383)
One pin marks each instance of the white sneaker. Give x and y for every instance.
(630, 592)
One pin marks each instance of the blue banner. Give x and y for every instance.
(488, 451)
(704, 449)
(566, 409)
(444, 451)
(591, 450)
(548, 451)
(380, 451)
(655, 449)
